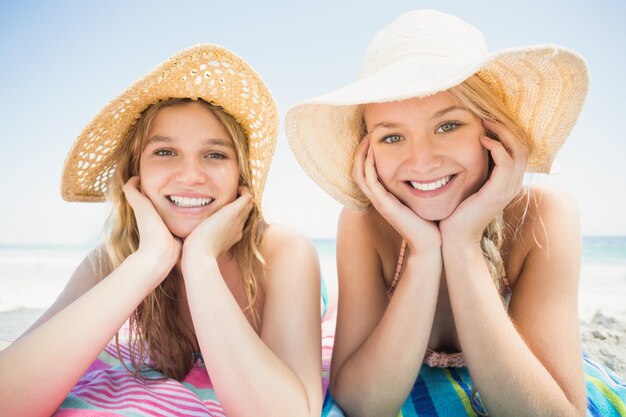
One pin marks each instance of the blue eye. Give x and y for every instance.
(216, 155)
(448, 127)
(392, 139)
(163, 152)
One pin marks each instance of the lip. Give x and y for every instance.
(430, 193)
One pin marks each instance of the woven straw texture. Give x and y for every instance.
(422, 53)
(209, 72)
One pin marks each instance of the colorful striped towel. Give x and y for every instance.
(108, 389)
(447, 392)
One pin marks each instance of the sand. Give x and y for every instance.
(604, 340)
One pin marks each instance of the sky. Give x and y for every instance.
(62, 61)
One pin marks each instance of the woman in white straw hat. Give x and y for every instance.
(457, 286)
(209, 287)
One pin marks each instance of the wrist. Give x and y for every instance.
(452, 236)
(425, 243)
(193, 264)
(461, 247)
(432, 256)
(153, 268)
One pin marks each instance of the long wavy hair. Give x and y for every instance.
(159, 338)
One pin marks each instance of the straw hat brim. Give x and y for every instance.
(543, 86)
(206, 71)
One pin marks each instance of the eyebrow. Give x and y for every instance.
(440, 113)
(386, 125)
(209, 141)
(450, 109)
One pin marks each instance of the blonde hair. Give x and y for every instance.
(159, 338)
(485, 102)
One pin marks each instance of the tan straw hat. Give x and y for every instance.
(209, 72)
(422, 53)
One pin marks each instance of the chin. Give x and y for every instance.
(433, 213)
(182, 230)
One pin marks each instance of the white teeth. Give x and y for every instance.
(189, 202)
(430, 186)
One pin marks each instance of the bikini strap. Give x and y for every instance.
(396, 276)
(505, 289)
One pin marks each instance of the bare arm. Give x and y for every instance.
(66, 340)
(86, 276)
(529, 363)
(536, 368)
(369, 329)
(365, 381)
(63, 345)
(276, 373)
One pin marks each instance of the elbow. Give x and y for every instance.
(359, 404)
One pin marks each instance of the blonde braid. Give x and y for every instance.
(491, 244)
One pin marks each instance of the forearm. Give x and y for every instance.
(61, 349)
(248, 377)
(377, 378)
(510, 378)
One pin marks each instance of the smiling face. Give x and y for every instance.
(427, 152)
(188, 167)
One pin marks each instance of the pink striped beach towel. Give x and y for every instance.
(108, 389)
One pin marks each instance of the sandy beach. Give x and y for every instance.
(604, 340)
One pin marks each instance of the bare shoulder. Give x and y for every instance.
(96, 265)
(291, 262)
(92, 269)
(544, 211)
(280, 242)
(544, 222)
(367, 238)
(366, 223)
(366, 228)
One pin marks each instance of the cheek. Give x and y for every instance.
(481, 163)
(149, 180)
(229, 177)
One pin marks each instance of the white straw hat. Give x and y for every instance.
(206, 71)
(422, 53)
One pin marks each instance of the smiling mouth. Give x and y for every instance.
(430, 186)
(189, 202)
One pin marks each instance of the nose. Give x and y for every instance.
(424, 155)
(189, 171)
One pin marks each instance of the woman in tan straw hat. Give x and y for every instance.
(457, 285)
(210, 288)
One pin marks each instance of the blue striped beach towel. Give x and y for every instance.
(443, 392)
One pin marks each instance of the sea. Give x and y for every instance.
(31, 277)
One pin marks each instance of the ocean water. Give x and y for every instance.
(31, 277)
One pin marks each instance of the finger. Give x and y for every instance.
(380, 197)
(243, 205)
(500, 155)
(509, 140)
(132, 193)
(358, 174)
(507, 174)
(359, 159)
(370, 173)
(243, 189)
